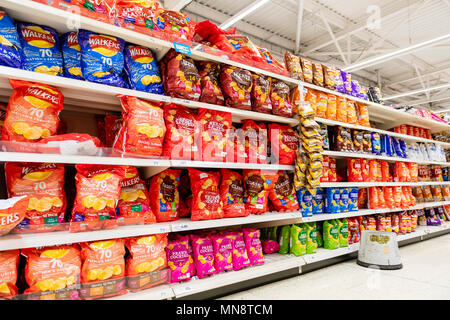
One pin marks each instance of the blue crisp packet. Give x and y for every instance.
(353, 199)
(71, 51)
(304, 198)
(41, 50)
(332, 200)
(141, 70)
(356, 89)
(376, 143)
(10, 47)
(317, 202)
(343, 204)
(403, 149)
(386, 145)
(102, 58)
(396, 144)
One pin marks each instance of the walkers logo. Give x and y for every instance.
(72, 41)
(141, 54)
(104, 45)
(41, 97)
(38, 37)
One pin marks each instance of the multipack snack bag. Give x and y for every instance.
(41, 49)
(103, 268)
(180, 76)
(223, 252)
(9, 263)
(236, 84)
(43, 184)
(141, 69)
(137, 13)
(256, 186)
(240, 256)
(143, 129)
(12, 212)
(10, 47)
(175, 25)
(282, 195)
(98, 193)
(178, 259)
(284, 143)
(261, 90)
(214, 127)
(232, 194)
(206, 202)
(164, 195)
(182, 128)
(134, 202)
(32, 112)
(255, 141)
(203, 255)
(102, 59)
(52, 268)
(211, 91)
(71, 51)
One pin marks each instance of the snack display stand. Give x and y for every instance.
(87, 97)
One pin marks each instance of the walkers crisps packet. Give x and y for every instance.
(147, 254)
(32, 112)
(9, 262)
(43, 183)
(71, 51)
(10, 47)
(12, 212)
(164, 195)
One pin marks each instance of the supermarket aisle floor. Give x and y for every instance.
(425, 275)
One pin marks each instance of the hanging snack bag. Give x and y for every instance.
(98, 193)
(232, 194)
(12, 212)
(41, 49)
(253, 246)
(214, 126)
(282, 194)
(256, 185)
(223, 252)
(206, 203)
(32, 112)
(236, 84)
(298, 240)
(141, 70)
(279, 96)
(102, 59)
(164, 195)
(52, 268)
(143, 128)
(178, 259)
(10, 47)
(9, 262)
(211, 92)
(43, 184)
(343, 232)
(261, 90)
(134, 203)
(182, 128)
(203, 255)
(71, 51)
(240, 256)
(284, 143)
(331, 234)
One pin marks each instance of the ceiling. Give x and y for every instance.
(344, 33)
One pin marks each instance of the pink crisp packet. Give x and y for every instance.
(270, 246)
(240, 257)
(253, 246)
(178, 259)
(223, 252)
(203, 255)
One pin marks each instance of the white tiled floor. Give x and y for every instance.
(425, 275)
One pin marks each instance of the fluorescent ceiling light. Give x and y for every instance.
(396, 53)
(244, 12)
(442, 86)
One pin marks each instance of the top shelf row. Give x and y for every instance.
(103, 96)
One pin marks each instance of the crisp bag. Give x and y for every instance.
(147, 256)
(102, 260)
(256, 187)
(255, 139)
(215, 126)
(240, 256)
(137, 13)
(206, 202)
(223, 252)
(203, 255)
(279, 96)
(253, 246)
(9, 263)
(112, 126)
(284, 143)
(261, 94)
(32, 112)
(10, 47)
(211, 91)
(43, 184)
(98, 193)
(12, 212)
(282, 195)
(178, 259)
(164, 195)
(143, 128)
(134, 203)
(71, 51)
(181, 135)
(174, 24)
(236, 86)
(52, 268)
(232, 194)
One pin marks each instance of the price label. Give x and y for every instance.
(165, 99)
(163, 294)
(182, 48)
(180, 227)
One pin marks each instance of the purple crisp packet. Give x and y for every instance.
(270, 246)
(432, 220)
(338, 81)
(347, 79)
(356, 89)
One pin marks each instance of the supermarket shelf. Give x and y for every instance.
(381, 184)
(325, 254)
(273, 263)
(338, 154)
(228, 165)
(159, 292)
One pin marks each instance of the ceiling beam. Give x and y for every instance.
(336, 43)
(243, 13)
(405, 94)
(301, 6)
(425, 75)
(176, 5)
